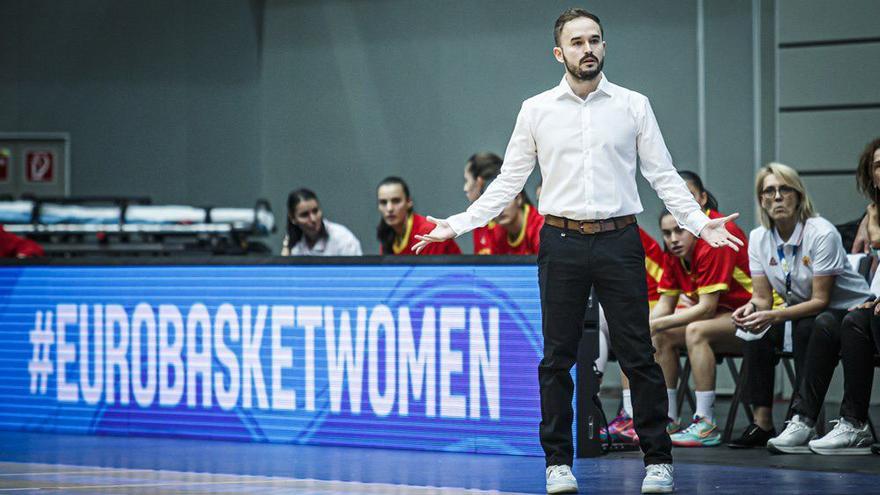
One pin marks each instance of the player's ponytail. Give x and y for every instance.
(694, 179)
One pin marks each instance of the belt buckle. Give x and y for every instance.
(589, 230)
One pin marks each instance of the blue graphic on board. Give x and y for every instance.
(419, 357)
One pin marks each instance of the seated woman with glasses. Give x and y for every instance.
(800, 255)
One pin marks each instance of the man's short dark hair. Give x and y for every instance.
(570, 15)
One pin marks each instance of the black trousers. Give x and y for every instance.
(569, 264)
(760, 359)
(818, 344)
(851, 341)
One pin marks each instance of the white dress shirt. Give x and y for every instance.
(814, 248)
(338, 242)
(587, 150)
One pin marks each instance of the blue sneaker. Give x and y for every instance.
(658, 479)
(701, 433)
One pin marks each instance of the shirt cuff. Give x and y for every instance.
(461, 223)
(696, 220)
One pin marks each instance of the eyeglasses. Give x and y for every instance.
(784, 191)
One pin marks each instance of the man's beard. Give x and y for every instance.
(584, 74)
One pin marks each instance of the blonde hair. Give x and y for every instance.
(790, 178)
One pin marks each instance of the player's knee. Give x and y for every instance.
(695, 333)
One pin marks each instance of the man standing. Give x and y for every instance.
(588, 135)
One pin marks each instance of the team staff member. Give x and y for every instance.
(800, 255)
(400, 225)
(518, 228)
(589, 136)
(718, 280)
(860, 330)
(479, 171)
(310, 234)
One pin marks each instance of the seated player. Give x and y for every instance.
(719, 281)
(13, 246)
(400, 224)
(518, 229)
(479, 171)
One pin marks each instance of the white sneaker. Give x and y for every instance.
(844, 439)
(794, 439)
(560, 480)
(658, 479)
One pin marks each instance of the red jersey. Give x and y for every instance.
(712, 270)
(483, 238)
(528, 239)
(419, 225)
(13, 246)
(654, 257)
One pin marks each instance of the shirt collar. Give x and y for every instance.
(797, 236)
(605, 87)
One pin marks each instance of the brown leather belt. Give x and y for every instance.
(590, 226)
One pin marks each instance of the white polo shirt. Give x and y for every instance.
(339, 242)
(814, 248)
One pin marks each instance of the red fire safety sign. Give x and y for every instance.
(4, 164)
(39, 166)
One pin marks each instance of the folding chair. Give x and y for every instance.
(739, 376)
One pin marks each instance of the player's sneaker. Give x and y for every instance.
(701, 433)
(794, 439)
(844, 439)
(560, 479)
(621, 429)
(612, 427)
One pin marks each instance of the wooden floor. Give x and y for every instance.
(46, 463)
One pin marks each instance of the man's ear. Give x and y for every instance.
(557, 53)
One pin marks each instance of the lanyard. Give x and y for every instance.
(786, 268)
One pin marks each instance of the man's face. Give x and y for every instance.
(308, 217)
(581, 49)
(393, 205)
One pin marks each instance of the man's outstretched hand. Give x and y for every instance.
(717, 235)
(442, 232)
